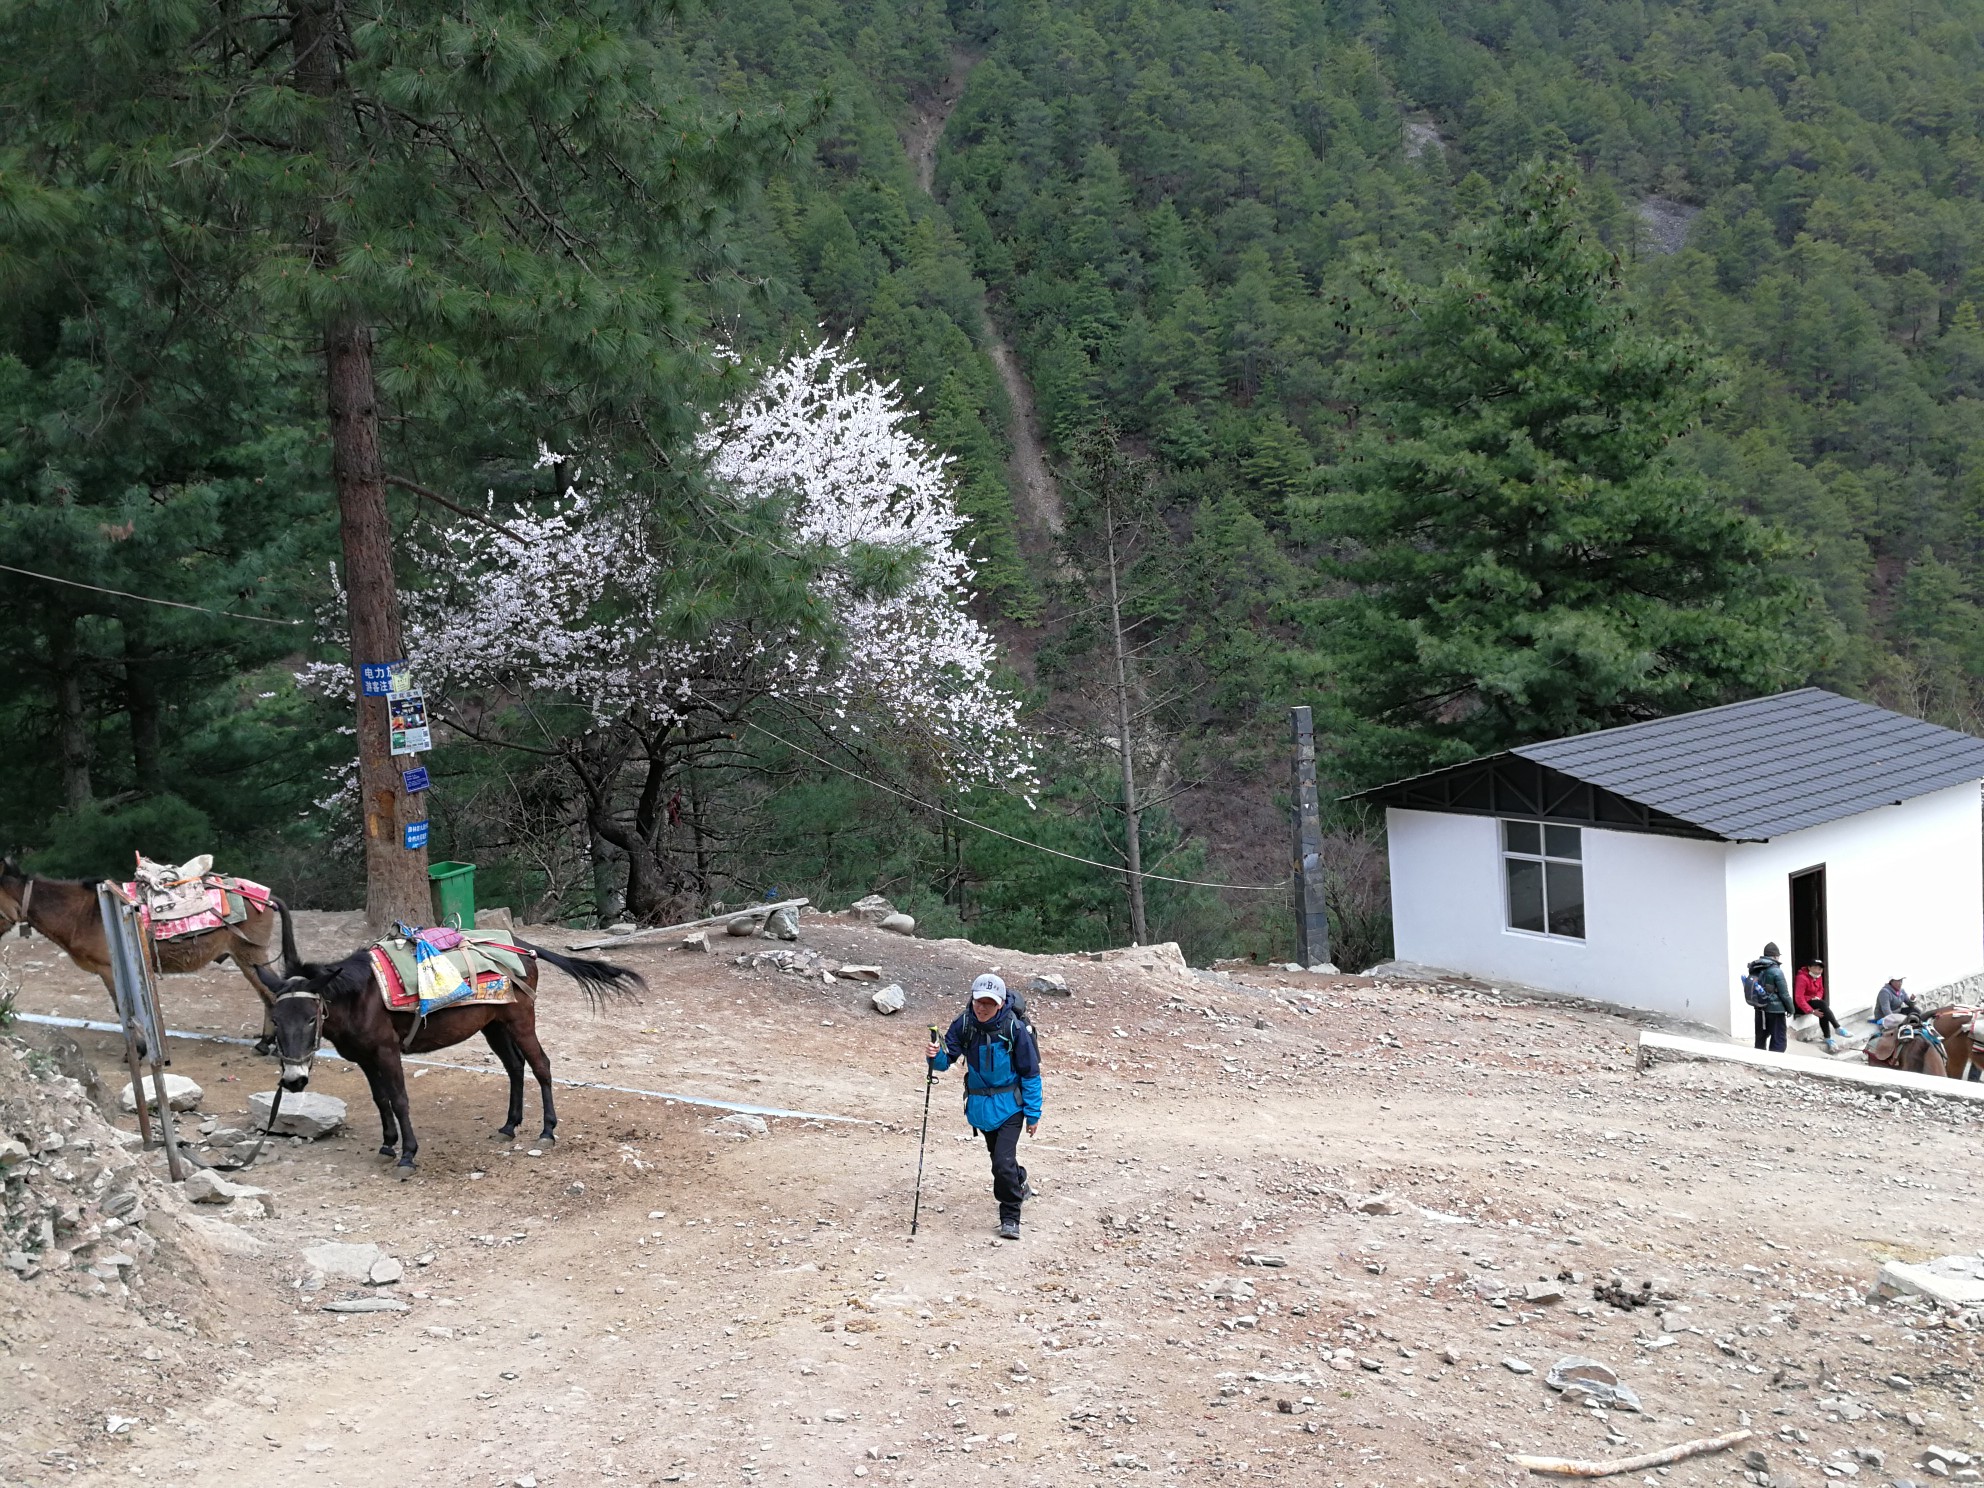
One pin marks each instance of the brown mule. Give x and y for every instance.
(1914, 1046)
(65, 910)
(342, 1003)
(1964, 1049)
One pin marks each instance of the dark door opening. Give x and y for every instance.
(1808, 918)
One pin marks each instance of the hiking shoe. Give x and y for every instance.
(1009, 1229)
(1026, 1192)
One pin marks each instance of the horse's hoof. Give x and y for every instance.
(505, 1133)
(547, 1135)
(265, 1046)
(406, 1167)
(389, 1152)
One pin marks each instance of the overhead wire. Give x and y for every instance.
(148, 599)
(1040, 847)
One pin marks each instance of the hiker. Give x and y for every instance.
(1808, 993)
(1001, 1087)
(1772, 998)
(1891, 999)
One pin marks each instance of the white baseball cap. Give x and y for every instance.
(988, 987)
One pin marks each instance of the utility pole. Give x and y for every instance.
(1132, 814)
(1312, 923)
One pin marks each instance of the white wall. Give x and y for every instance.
(1655, 936)
(1904, 895)
(1670, 922)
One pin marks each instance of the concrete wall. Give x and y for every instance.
(1904, 895)
(1670, 922)
(1655, 936)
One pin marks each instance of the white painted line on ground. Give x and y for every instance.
(327, 1052)
(1867, 1076)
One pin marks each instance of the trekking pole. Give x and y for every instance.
(928, 1085)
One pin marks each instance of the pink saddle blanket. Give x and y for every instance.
(225, 901)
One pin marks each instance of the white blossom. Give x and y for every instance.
(572, 606)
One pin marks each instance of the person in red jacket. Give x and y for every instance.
(1808, 993)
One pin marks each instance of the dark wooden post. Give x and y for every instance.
(1312, 925)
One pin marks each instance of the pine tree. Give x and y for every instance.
(1523, 557)
(481, 219)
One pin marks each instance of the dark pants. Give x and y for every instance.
(1008, 1177)
(1828, 1024)
(1770, 1031)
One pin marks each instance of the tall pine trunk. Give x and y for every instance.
(141, 704)
(71, 721)
(395, 875)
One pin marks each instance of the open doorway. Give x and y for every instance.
(1808, 918)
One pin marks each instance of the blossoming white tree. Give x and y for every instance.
(844, 600)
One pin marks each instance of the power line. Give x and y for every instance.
(1196, 883)
(147, 599)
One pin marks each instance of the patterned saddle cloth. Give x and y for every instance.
(190, 898)
(460, 968)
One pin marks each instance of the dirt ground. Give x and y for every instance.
(649, 1301)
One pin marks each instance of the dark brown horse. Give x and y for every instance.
(341, 1002)
(65, 910)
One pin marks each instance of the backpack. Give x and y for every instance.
(1755, 993)
(974, 1030)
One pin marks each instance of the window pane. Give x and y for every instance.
(1525, 894)
(1566, 899)
(1521, 837)
(1562, 842)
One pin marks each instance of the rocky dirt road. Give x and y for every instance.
(1443, 1174)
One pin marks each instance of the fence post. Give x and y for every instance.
(1312, 926)
(137, 1010)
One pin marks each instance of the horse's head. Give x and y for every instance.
(298, 1015)
(13, 895)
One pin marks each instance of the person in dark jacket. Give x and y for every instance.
(1774, 1016)
(1892, 999)
(1001, 1088)
(1808, 992)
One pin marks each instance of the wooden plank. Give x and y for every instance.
(755, 911)
(1865, 1076)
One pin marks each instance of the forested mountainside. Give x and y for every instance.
(1182, 226)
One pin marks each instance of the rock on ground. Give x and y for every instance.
(343, 1261)
(181, 1094)
(889, 1000)
(305, 1113)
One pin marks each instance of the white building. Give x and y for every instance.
(1647, 865)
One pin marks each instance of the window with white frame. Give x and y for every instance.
(1543, 866)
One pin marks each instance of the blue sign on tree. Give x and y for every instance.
(375, 678)
(416, 835)
(415, 779)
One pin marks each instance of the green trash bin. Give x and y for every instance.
(454, 894)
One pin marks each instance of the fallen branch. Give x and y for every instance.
(753, 911)
(1570, 1467)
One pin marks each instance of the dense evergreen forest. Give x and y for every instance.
(1212, 245)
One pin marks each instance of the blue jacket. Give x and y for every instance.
(1002, 1068)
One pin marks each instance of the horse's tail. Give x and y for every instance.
(601, 981)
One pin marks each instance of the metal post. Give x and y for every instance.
(1312, 926)
(137, 1010)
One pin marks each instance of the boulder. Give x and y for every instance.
(740, 1126)
(345, 1262)
(384, 1272)
(860, 973)
(495, 919)
(783, 924)
(305, 1113)
(1953, 1281)
(13, 1153)
(1377, 1203)
(697, 940)
(203, 1186)
(1051, 984)
(889, 1000)
(625, 927)
(874, 909)
(899, 923)
(181, 1094)
(742, 926)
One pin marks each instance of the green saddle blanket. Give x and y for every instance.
(494, 968)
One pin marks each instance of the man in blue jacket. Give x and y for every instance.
(1001, 1087)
